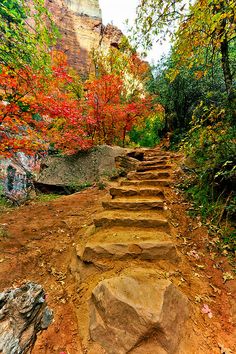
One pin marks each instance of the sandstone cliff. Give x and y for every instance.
(81, 28)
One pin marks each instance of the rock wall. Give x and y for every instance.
(89, 8)
(16, 175)
(81, 28)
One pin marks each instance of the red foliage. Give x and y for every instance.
(109, 115)
(36, 110)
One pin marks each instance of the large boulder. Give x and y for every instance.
(128, 309)
(23, 313)
(75, 170)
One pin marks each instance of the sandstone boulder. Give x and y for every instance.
(128, 309)
(127, 163)
(89, 166)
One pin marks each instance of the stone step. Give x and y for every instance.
(124, 234)
(132, 218)
(153, 162)
(134, 204)
(148, 175)
(131, 192)
(157, 182)
(156, 149)
(143, 250)
(152, 158)
(157, 153)
(123, 243)
(141, 168)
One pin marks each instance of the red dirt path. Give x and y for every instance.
(38, 245)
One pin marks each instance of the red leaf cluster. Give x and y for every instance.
(38, 110)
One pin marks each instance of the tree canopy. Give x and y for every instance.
(200, 31)
(26, 32)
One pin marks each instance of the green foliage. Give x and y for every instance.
(196, 86)
(12, 11)
(149, 134)
(78, 186)
(4, 202)
(101, 185)
(25, 37)
(211, 145)
(182, 95)
(47, 197)
(203, 27)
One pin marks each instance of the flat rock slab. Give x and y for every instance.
(146, 250)
(133, 192)
(157, 153)
(124, 234)
(131, 218)
(134, 204)
(148, 183)
(148, 175)
(153, 167)
(154, 162)
(153, 158)
(125, 310)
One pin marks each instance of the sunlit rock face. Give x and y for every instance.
(85, 7)
(81, 28)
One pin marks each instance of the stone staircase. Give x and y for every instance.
(125, 310)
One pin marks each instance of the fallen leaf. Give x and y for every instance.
(215, 289)
(198, 298)
(197, 275)
(193, 253)
(224, 350)
(200, 266)
(227, 276)
(206, 309)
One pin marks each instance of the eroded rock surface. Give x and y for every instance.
(81, 29)
(85, 7)
(84, 167)
(23, 313)
(125, 310)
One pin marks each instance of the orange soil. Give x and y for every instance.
(39, 245)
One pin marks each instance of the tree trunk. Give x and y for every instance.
(228, 78)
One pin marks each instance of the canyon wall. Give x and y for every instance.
(81, 28)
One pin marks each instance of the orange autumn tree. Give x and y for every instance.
(116, 98)
(21, 128)
(110, 115)
(67, 124)
(38, 110)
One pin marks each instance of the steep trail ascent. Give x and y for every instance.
(133, 240)
(134, 222)
(118, 267)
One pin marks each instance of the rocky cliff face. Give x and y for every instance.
(85, 7)
(81, 28)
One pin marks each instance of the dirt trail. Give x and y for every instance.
(70, 244)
